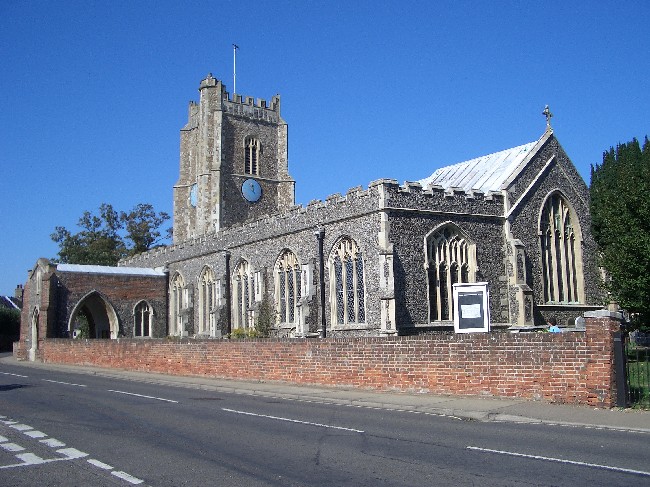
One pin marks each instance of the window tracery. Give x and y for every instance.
(561, 252)
(252, 151)
(143, 320)
(207, 301)
(243, 290)
(178, 301)
(347, 284)
(288, 285)
(451, 259)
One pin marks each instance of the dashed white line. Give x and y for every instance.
(99, 464)
(21, 427)
(14, 375)
(129, 478)
(141, 395)
(52, 442)
(72, 453)
(35, 434)
(561, 460)
(13, 447)
(64, 383)
(292, 420)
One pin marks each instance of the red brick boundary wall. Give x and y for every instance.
(571, 367)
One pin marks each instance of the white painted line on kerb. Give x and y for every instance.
(141, 395)
(14, 375)
(64, 383)
(560, 460)
(292, 420)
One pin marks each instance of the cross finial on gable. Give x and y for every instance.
(547, 113)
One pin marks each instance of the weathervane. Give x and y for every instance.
(234, 68)
(547, 113)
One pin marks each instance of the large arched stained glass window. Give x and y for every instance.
(287, 287)
(178, 300)
(243, 294)
(207, 301)
(347, 284)
(451, 259)
(561, 252)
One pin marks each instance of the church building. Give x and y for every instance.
(376, 261)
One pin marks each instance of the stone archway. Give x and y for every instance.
(93, 317)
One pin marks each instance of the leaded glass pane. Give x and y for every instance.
(283, 297)
(360, 290)
(145, 322)
(298, 284)
(349, 288)
(291, 296)
(338, 276)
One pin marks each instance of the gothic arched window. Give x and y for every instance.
(207, 301)
(143, 320)
(287, 287)
(561, 252)
(451, 259)
(243, 294)
(347, 289)
(178, 300)
(252, 156)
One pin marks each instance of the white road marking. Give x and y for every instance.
(52, 442)
(64, 383)
(292, 420)
(21, 427)
(72, 453)
(15, 375)
(35, 434)
(129, 478)
(11, 447)
(3, 439)
(560, 460)
(31, 459)
(99, 464)
(141, 395)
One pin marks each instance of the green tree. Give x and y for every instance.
(106, 238)
(620, 211)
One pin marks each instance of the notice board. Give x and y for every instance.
(471, 307)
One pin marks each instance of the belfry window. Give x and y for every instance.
(287, 287)
(207, 301)
(451, 259)
(243, 295)
(251, 156)
(143, 320)
(561, 252)
(347, 285)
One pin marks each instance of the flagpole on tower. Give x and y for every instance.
(234, 68)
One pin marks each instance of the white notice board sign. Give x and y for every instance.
(471, 307)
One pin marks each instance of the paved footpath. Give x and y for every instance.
(466, 407)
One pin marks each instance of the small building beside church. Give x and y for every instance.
(375, 261)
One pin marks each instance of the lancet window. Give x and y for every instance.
(347, 284)
(287, 287)
(451, 259)
(243, 295)
(178, 301)
(207, 301)
(252, 156)
(143, 319)
(561, 252)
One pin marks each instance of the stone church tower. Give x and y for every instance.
(233, 163)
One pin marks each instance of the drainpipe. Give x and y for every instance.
(320, 236)
(228, 298)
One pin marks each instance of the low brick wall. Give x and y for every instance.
(574, 368)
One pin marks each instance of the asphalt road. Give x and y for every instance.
(65, 429)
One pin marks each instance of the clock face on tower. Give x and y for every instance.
(251, 190)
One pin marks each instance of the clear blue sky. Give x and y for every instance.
(93, 93)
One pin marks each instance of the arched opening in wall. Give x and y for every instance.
(450, 259)
(178, 305)
(347, 284)
(207, 301)
(93, 317)
(561, 251)
(243, 295)
(33, 335)
(142, 320)
(288, 287)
